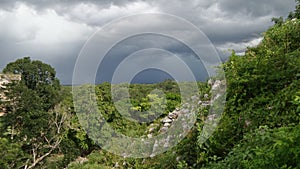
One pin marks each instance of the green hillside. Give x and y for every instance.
(260, 126)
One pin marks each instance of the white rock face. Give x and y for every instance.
(167, 120)
(167, 125)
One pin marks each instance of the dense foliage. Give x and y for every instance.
(260, 126)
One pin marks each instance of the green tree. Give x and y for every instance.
(296, 13)
(33, 120)
(38, 77)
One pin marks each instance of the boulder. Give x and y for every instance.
(173, 115)
(167, 125)
(167, 120)
(151, 129)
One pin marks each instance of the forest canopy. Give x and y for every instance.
(260, 126)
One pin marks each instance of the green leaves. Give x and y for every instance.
(11, 154)
(266, 148)
(34, 73)
(33, 120)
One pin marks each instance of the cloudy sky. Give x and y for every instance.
(55, 31)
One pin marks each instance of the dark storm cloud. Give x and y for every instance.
(229, 20)
(256, 8)
(147, 41)
(54, 31)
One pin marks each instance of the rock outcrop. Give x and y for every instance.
(4, 80)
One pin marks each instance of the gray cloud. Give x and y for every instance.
(145, 49)
(54, 31)
(256, 8)
(43, 4)
(229, 20)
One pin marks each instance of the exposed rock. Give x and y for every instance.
(117, 165)
(206, 103)
(211, 117)
(4, 80)
(8, 78)
(152, 155)
(155, 146)
(185, 111)
(149, 135)
(216, 96)
(206, 96)
(173, 115)
(216, 85)
(151, 129)
(167, 120)
(81, 160)
(185, 105)
(167, 140)
(194, 98)
(167, 125)
(210, 82)
(163, 129)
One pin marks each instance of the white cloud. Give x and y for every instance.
(97, 15)
(25, 25)
(239, 47)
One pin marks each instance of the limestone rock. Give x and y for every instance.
(163, 129)
(167, 125)
(173, 115)
(151, 129)
(167, 120)
(149, 135)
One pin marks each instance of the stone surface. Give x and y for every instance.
(216, 85)
(8, 78)
(167, 120)
(173, 115)
(4, 80)
(210, 82)
(149, 135)
(185, 111)
(151, 129)
(194, 98)
(206, 103)
(206, 96)
(199, 102)
(163, 129)
(167, 125)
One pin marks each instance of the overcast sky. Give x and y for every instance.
(55, 31)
